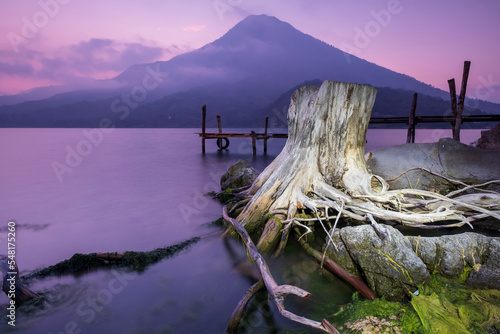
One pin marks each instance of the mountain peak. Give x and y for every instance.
(262, 27)
(261, 19)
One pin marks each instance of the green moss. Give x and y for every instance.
(224, 197)
(443, 306)
(219, 222)
(465, 274)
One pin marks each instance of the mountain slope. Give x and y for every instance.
(273, 52)
(237, 76)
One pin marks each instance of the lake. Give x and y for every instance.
(84, 191)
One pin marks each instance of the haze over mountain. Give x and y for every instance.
(238, 76)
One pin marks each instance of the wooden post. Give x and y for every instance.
(453, 97)
(265, 135)
(203, 125)
(411, 121)
(461, 101)
(219, 125)
(254, 147)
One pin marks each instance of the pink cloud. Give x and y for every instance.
(195, 28)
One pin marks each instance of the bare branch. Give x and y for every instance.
(277, 292)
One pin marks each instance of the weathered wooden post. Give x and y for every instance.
(411, 121)
(254, 139)
(457, 110)
(219, 125)
(265, 135)
(461, 102)
(203, 124)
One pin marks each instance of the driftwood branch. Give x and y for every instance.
(337, 270)
(277, 292)
(240, 308)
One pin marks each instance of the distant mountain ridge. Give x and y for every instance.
(238, 76)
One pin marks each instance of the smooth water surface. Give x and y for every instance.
(74, 191)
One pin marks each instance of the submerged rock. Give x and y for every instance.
(447, 157)
(490, 139)
(239, 175)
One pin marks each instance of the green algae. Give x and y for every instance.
(442, 306)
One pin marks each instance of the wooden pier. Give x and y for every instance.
(223, 137)
(456, 120)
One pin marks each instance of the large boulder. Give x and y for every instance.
(239, 175)
(448, 158)
(389, 265)
(490, 139)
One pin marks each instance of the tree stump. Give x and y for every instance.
(322, 167)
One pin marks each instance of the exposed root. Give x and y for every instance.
(276, 292)
(453, 193)
(240, 308)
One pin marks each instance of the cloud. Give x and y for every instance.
(16, 68)
(195, 28)
(94, 58)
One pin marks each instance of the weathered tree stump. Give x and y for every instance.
(323, 167)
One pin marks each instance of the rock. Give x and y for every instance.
(340, 255)
(239, 175)
(490, 139)
(487, 275)
(447, 157)
(390, 267)
(449, 255)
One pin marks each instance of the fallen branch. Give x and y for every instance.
(240, 308)
(337, 270)
(277, 292)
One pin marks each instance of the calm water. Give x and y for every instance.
(137, 190)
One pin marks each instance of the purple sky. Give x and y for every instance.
(77, 40)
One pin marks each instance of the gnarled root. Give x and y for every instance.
(276, 292)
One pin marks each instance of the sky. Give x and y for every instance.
(55, 42)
